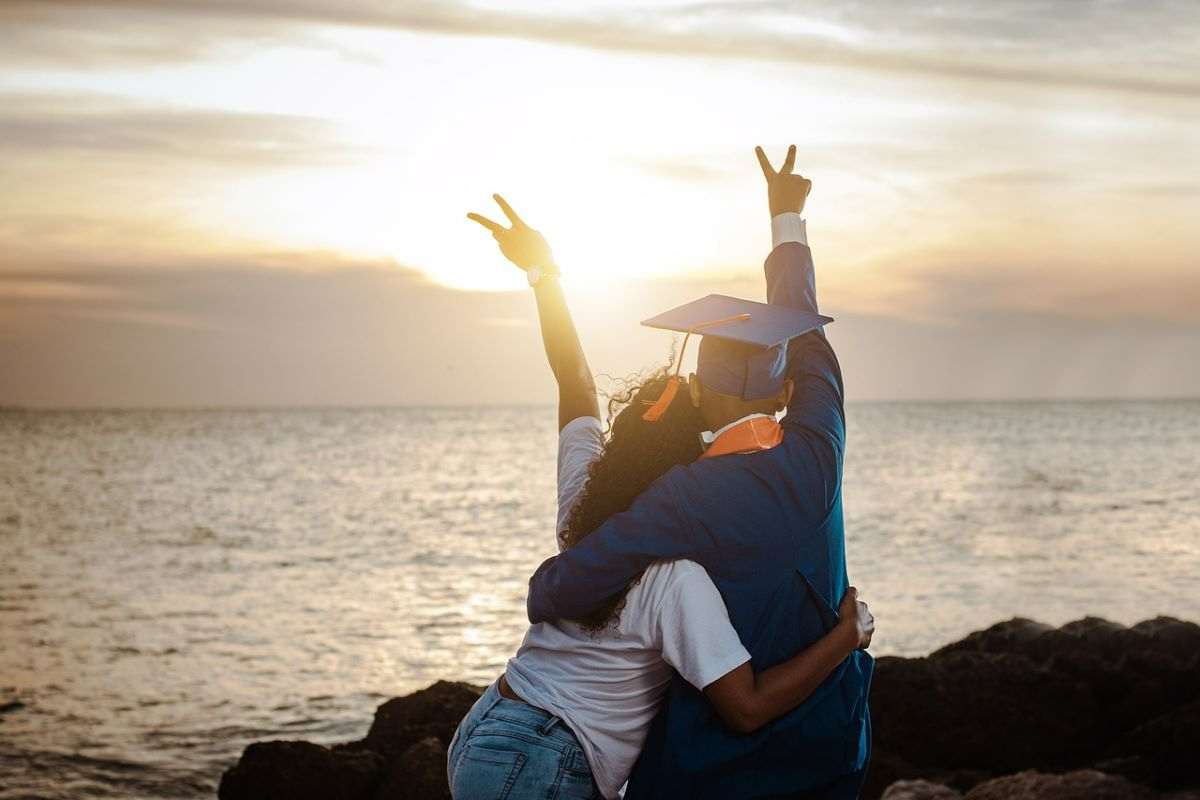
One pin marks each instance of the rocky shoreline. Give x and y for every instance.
(1092, 710)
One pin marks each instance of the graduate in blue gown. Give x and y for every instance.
(762, 513)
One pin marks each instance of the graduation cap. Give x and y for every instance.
(743, 352)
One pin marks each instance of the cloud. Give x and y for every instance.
(687, 170)
(1034, 42)
(506, 322)
(99, 35)
(311, 329)
(1169, 189)
(53, 125)
(959, 286)
(34, 288)
(1017, 178)
(971, 232)
(1015, 356)
(251, 331)
(970, 290)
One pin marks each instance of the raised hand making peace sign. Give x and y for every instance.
(785, 191)
(520, 244)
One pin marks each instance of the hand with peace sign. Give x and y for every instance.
(785, 191)
(520, 244)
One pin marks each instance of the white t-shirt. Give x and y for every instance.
(607, 686)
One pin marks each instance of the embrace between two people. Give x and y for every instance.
(696, 636)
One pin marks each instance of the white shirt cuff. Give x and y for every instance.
(788, 227)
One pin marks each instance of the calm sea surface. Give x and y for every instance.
(175, 585)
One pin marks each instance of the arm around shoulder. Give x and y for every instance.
(746, 700)
(580, 579)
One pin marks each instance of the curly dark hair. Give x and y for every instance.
(636, 453)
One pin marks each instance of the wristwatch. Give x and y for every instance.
(535, 274)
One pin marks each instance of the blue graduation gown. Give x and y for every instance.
(768, 528)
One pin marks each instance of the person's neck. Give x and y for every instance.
(717, 430)
(721, 410)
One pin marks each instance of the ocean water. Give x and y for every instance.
(177, 584)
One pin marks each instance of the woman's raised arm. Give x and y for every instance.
(528, 249)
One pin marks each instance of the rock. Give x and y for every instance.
(1010, 636)
(301, 771)
(1158, 637)
(919, 790)
(419, 774)
(1099, 632)
(1170, 636)
(403, 755)
(968, 719)
(433, 712)
(1156, 684)
(1162, 752)
(1080, 785)
(885, 769)
(1022, 695)
(996, 712)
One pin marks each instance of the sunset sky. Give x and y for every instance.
(257, 202)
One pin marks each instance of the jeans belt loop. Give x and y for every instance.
(549, 725)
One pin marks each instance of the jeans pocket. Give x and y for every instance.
(485, 774)
(575, 780)
(574, 785)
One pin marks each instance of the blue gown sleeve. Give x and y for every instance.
(816, 411)
(580, 579)
(791, 278)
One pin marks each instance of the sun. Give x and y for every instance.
(619, 227)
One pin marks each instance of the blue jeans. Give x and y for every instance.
(504, 748)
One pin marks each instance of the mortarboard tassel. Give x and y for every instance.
(659, 407)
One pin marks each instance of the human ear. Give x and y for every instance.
(694, 389)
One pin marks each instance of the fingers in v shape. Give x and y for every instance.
(494, 227)
(508, 210)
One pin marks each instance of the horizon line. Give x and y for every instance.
(26, 408)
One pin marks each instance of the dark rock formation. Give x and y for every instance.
(1091, 709)
(1164, 750)
(1022, 695)
(1081, 785)
(403, 756)
(430, 713)
(419, 773)
(920, 790)
(287, 770)
(1030, 785)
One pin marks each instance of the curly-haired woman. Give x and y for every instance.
(570, 714)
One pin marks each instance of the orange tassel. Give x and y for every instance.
(654, 412)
